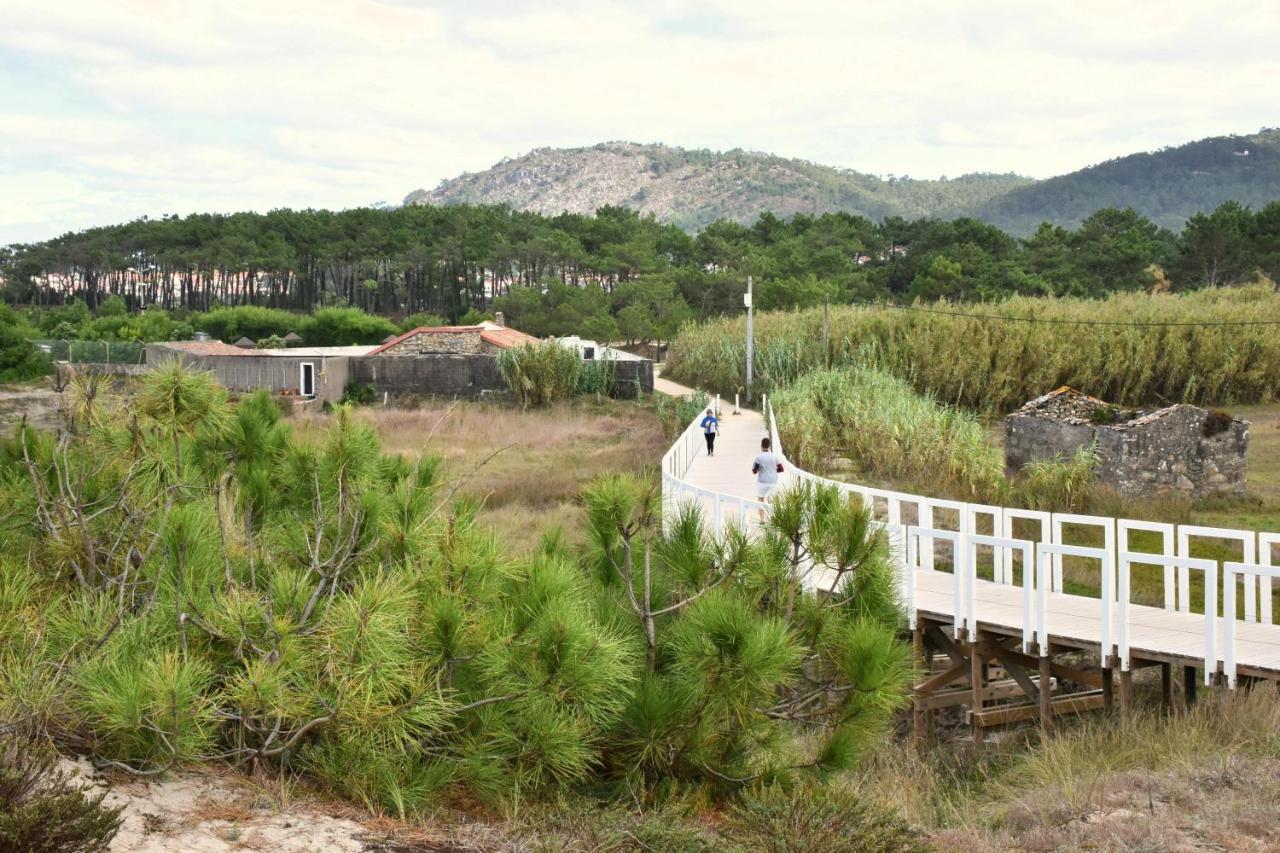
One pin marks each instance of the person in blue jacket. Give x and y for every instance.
(710, 426)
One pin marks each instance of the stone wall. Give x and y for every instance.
(442, 375)
(1161, 452)
(454, 343)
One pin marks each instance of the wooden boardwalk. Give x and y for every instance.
(957, 663)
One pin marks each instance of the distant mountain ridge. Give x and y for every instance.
(694, 187)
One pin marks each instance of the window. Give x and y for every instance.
(588, 353)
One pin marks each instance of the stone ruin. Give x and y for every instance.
(1178, 449)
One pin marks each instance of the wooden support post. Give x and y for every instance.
(1046, 696)
(1108, 688)
(977, 671)
(1126, 691)
(1188, 686)
(1166, 687)
(924, 660)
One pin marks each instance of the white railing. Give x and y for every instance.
(676, 488)
(1035, 542)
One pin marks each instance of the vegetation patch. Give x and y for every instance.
(995, 366)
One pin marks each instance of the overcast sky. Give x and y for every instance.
(110, 110)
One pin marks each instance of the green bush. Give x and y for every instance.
(19, 358)
(358, 394)
(339, 327)
(247, 321)
(43, 811)
(414, 321)
(219, 587)
(538, 374)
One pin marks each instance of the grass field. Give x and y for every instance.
(528, 467)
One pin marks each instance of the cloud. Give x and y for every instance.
(159, 106)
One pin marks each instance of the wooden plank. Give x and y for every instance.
(1062, 671)
(1031, 688)
(942, 679)
(1005, 689)
(1070, 704)
(945, 643)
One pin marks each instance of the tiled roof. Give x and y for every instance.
(498, 336)
(506, 338)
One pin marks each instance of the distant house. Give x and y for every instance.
(592, 351)
(308, 373)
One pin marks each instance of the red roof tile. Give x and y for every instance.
(503, 338)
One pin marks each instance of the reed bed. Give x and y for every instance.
(995, 365)
(881, 423)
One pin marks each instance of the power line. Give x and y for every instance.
(1057, 321)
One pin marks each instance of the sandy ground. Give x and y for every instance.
(211, 813)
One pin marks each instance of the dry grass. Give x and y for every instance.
(543, 456)
(1208, 778)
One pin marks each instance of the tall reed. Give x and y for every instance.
(994, 365)
(888, 429)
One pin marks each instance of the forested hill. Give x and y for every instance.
(1166, 186)
(693, 188)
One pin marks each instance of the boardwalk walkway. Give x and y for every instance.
(1017, 617)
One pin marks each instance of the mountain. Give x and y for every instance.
(692, 188)
(1167, 186)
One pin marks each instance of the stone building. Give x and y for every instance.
(1179, 448)
(484, 339)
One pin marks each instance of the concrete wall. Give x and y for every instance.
(1163, 452)
(443, 375)
(275, 373)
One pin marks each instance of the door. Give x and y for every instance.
(307, 379)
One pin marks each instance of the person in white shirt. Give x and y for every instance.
(767, 466)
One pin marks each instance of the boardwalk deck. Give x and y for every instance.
(726, 489)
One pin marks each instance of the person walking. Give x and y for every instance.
(767, 466)
(710, 428)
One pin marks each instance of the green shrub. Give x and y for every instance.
(358, 394)
(43, 811)
(414, 321)
(539, 374)
(819, 819)
(19, 358)
(338, 327)
(247, 321)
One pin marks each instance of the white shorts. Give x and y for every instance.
(765, 490)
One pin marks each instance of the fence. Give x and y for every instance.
(93, 352)
(920, 528)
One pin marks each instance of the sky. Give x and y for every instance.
(115, 109)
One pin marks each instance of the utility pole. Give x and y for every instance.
(750, 336)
